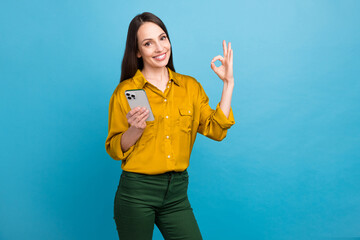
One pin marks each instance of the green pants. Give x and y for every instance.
(144, 200)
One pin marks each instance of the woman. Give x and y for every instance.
(155, 154)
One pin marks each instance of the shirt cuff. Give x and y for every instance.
(115, 150)
(222, 120)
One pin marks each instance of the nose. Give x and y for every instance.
(159, 47)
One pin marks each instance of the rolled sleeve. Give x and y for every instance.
(212, 123)
(113, 148)
(117, 126)
(222, 120)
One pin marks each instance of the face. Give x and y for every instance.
(154, 46)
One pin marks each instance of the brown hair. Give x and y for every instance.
(130, 63)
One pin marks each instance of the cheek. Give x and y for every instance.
(168, 46)
(146, 53)
(170, 51)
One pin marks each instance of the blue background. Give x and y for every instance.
(288, 169)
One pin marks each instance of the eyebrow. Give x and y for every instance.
(151, 38)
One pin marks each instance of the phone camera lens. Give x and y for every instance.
(129, 98)
(133, 96)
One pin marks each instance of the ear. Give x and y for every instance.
(138, 55)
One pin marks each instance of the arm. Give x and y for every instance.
(225, 73)
(225, 103)
(124, 128)
(214, 123)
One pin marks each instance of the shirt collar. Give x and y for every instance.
(140, 80)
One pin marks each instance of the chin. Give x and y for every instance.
(161, 64)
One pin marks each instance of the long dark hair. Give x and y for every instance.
(130, 63)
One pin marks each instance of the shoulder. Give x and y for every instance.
(120, 89)
(187, 80)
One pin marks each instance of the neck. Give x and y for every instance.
(157, 74)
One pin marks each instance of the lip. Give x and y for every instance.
(160, 54)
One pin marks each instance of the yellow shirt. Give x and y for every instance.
(180, 113)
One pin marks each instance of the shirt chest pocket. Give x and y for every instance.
(185, 120)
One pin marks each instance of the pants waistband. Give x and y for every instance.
(162, 175)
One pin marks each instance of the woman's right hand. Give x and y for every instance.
(137, 118)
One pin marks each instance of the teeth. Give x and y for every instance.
(161, 56)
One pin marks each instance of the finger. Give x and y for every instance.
(229, 50)
(141, 110)
(212, 65)
(231, 56)
(144, 114)
(218, 57)
(138, 119)
(134, 110)
(142, 118)
(129, 114)
(134, 117)
(224, 47)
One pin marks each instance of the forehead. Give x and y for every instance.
(149, 30)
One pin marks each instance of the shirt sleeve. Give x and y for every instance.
(117, 126)
(213, 123)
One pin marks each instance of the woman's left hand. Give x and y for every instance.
(225, 71)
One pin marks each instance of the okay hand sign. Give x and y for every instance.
(225, 71)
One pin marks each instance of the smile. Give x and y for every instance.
(161, 57)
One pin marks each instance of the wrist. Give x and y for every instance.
(229, 84)
(229, 80)
(135, 130)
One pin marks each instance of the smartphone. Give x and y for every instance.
(138, 98)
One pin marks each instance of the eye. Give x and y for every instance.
(147, 44)
(163, 37)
